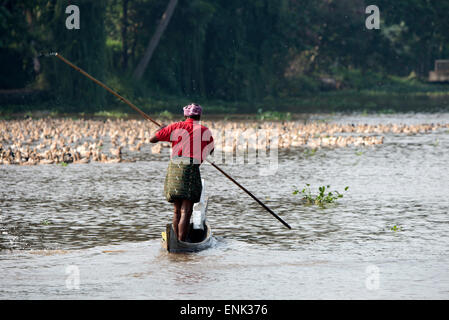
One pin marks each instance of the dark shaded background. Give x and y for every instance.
(237, 56)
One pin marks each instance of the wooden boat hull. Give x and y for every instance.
(197, 240)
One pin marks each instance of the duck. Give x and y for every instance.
(46, 161)
(156, 148)
(116, 151)
(81, 161)
(137, 147)
(114, 160)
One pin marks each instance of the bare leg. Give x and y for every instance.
(184, 223)
(177, 215)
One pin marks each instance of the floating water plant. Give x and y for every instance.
(64, 164)
(45, 222)
(310, 152)
(436, 143)
(396, 228)
(325, 196)
(359, 153)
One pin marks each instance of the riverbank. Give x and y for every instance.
(396, 96)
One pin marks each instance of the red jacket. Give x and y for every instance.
(188, 138)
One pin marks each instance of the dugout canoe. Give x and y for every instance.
(197, 239)
(199, 236)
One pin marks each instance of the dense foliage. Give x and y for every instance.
(228, 50)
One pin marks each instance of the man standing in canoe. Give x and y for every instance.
(191, 144)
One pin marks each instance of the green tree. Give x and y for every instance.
(84, 47)
(16, 44)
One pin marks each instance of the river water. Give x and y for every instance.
(93, 231)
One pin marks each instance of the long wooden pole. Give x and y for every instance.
(143, 114)
(250, 194)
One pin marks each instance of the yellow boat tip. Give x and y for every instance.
(164, 236)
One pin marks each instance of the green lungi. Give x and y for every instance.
(183, 180)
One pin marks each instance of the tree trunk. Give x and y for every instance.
(30, 21)
(140, 69)
(124, 35)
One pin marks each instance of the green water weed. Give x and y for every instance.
(323, 198)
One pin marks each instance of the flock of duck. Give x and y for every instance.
(64, 141)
